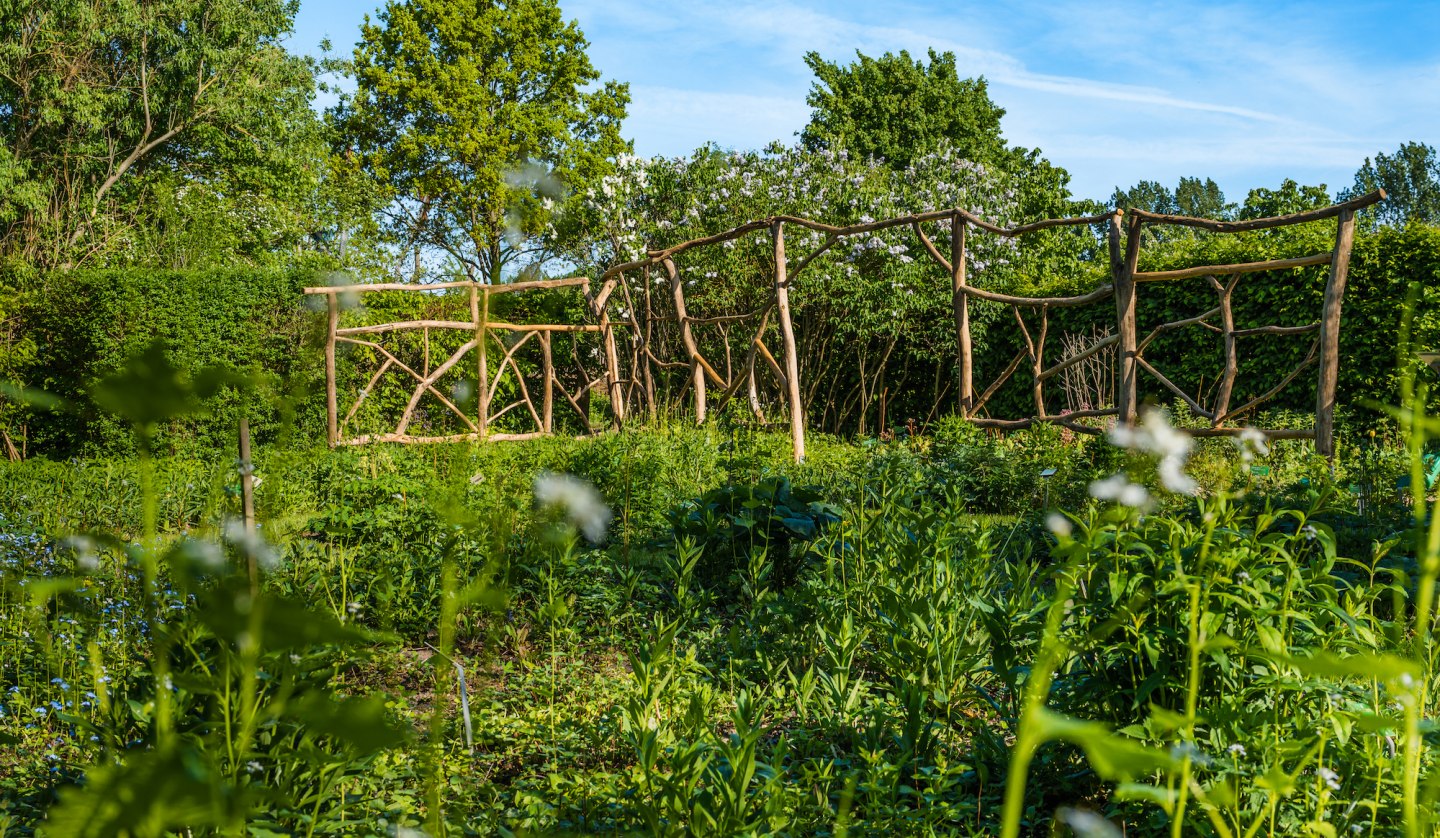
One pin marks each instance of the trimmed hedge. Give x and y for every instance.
(1382, 268)
(85, 324)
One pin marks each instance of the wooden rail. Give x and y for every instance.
(651, 333)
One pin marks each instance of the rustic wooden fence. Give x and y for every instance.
(628, 379)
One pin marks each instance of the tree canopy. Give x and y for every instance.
(1411, 180)
(98, 96)
(475, 117)
(899, 109)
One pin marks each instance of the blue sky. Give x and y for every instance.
(1246, 93)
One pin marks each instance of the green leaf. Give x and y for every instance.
(361, 723)
(1112, 757)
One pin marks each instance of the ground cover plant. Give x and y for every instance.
(676, 629)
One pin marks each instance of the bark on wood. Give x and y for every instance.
(1330, 335)
(1331, 211)
(332, 410)
(697, 373)
(961, 304)
(1125, 392)
(787, 333)
(1238, 268)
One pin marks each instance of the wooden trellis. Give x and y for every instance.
(634, 380)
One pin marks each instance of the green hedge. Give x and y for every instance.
(1383, 266)
(86, 323)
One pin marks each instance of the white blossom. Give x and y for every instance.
(1154, 435)
(1332, 780)
(1251, 443)
(1118, 488)
(581, 502)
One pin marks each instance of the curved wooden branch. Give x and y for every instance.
(1261, 223)
(1170, 327)
(997, 383)
(1237, 268)
(1079, 356)
(428, 383)
(1194, 406)
(417, 376)
(1278, 330)
(1269, 394)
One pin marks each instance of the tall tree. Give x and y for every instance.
(475, 116)
(898, 109)
(95, 93)
(1411, 180)
(1289, 198)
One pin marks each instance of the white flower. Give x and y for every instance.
(1330, 777)
(1118, 488)
(1058, 524)
(1251, 442)
(1087, 824)
(1237, 749)
(583, 505)
(1155, 436)
(249, 543)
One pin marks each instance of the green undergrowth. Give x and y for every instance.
(862, 643)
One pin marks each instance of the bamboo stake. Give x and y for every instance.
(1330, 335)
(787, 332)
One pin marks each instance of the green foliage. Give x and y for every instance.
(1411, 180)
(897, 109)
(249, 322)
(771, 520)
(124, 118)
(475, 118)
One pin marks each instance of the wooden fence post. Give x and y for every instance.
(688, 337)
(332, 409)
(1330, 335)
(612, 368)
(961, 303)
(548, 370)
(1124, 278)
(480, 316)
(787, 333)
(247, 496)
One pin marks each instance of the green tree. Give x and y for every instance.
(897, 109)
(1291, 197)
(475, 117)
(1148, 195)
(1201, 199)
(1411, 180)
(1191, 196)
(97, 94)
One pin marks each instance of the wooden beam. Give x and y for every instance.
(1125, 396)
(1331, 211)
(1238, 268)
